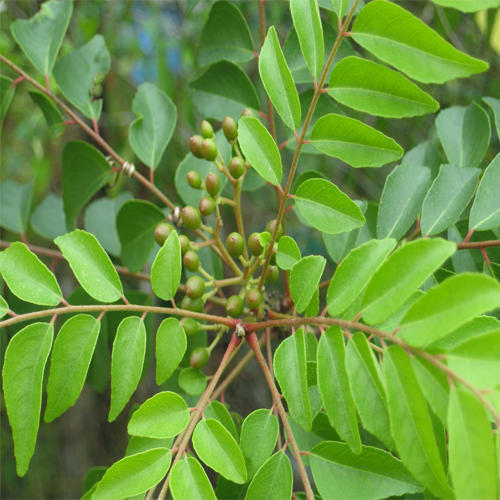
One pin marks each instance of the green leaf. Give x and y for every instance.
(468, 5)
(69, 363)
(151, 131)
(22, 375)
(161, 416)
(415, 441)
(464, 133)
(127, 359)
(260, 149)
(48, 220)
(188, 480)
(370, 87)
(327, 208)
(304, 280)
(85, 171)
(447, 198)
(192, 380)
(485, 211)
(41, 36)
(137, 444)
(307, 23)
(167, 268)
(447, 306)
(220, 412)
(15, 204)
(171, 346)
(4, 307)
(223, 89)
(91, 265)
(340, 7)
(354, 272)
(335, 388)
(133, 474)
(273, 480)
(259, 434)
(50, 112)
(290, 370)
(288, 253)
(367, 388)
(28, 277)
(217, 448)
(401, 274)
(78, 72)
(136, 222)
(278, 81)
(233, 43)
(7, 91)
(494, 104)
(401, 39)
(353, 142)
(471, 447)
(404, 191)
(371, 474)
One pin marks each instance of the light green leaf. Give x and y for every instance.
(220, 412)
(471, 447)
(192, 380)
(15, 204)
(447, 306)
(127, 359)
(137, 444)
(167, 268)
(485, 211)
(69, 363)
(260, 149)
(401, 39)
(151, 131)
(340, 474)
(41, 36)
(353, 142)
(48, 220)
(259, 434)
(401, 200)
(171, 346)
(401, 274)
(188, 480)
(307, 23)
(22, 375)
(468, 5)
(288, 253)
(304, 280)
(85, 170)
(464, 133)
(28, 277)
(51, 113)
(161, 416)
(340, 7)
(278, 81)
(133, 475)
(217, 448)
(7, 91)
(448, 196)
(327, 208)
(370, 87)
(91, 265)
(273, 480)
(354, 272)
(335, 388)
(494, 104)
(4, 307)
(415, 441)
(290, 370)
(78, 72)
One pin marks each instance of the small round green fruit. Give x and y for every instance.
(272, 274)
(230, 128)
(191, 261)
(234, 244)
(195, 142)
(270, 228)
(185, 243)
(191, 217)
(199, 357)
(194, 305)
(194, 179)
(212, 183)
(236, 167)
(162, 232)
(254, 244)
(206, 129)
(209, 149)
(207, 205)
(234, 306)
(253, 298)
(195, 287)
(190, 325)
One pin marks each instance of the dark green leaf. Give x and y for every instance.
(4, 307)
(304, 280)
(170, 348)
(220, 412)
(48, 220)
(50, 112)
(15, 204)
(188, 480)
(494, 104)
(7, 91)
(273, 480)
(167, 268)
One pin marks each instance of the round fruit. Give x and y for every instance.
(190, 217)
(190, 326)
(209, 149)
(212, 183)
(195, 287)
(270, 228)
(254, 244)
(236, 167)
(247, 112)
(191, 261)
(195, 142)
(199, 357)
(195, 305)
(207, 205)
(162, 232)
(253, 298)
(194, 179)
(206, 129)
(234, 244)
(272, 274)
(185, 243)
(230, 128)
(234, 306)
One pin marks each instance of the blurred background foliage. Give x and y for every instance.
(157, 41)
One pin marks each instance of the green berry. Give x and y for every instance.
(191, 261)
(254, 244)
(191, 217)
(190, 326)
(185, 243)
(270, 228)
(236, 167)
(199, 357)
(195, 142)
(209, 149)
(234, 306)
(194, 179)
(206, 129)
(234, 244)
(195, 287)
(230, 128)
(162, 232)
(195, 305)
(253, 298)
(207, 205)
(247, 112)
(212, 183)
(272, 274)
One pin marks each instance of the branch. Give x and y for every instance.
(478, 244)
